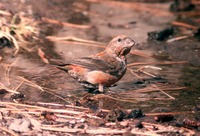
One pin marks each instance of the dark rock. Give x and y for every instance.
(135, 114)
(181, 5)
(160, 35)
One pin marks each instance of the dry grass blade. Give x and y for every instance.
(163, 91)
(34, 108)
(160, 127)
(169, 113)
(85, 44)
(76, 40)
(101, 96)
(178, 38)
(139, 53)
(12, 133)
(147, 73)
(2, 86)
(18, 86)
(5, 13)
(71, 38)
(158, 63)
(61, 105)
(48, 20)
(150, 8)
(184, 25)
(153, 89)
(105, 131)
(8, 69)
(31, 83)
(28, 82)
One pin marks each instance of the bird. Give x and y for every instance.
(102, 69)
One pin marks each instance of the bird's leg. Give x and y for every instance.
(101, 88)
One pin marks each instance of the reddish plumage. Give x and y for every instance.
(104, 68)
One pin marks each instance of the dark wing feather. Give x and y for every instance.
(92, 64)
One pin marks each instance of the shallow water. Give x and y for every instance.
(109, 20)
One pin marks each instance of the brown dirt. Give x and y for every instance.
(45, 83)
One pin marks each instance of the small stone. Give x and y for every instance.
(20, 125)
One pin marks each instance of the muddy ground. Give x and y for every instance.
(102, 20)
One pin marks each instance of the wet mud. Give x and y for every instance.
(41, 82)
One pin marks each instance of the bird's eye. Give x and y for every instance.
(119, 40)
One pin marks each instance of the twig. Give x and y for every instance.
(158, 63)
(71, 38)
(7, 89)
(160, 127)
(132, 71)
(98, 131)
(31, 83)
(48, 20)
(12, 133)
(138, 53)
(42, 88)
(7, 73)
(87, 44)
(181, 24)
(36, 108)
(152, 67)
(5, 13)
(150, 8)
(18, 86)
(163, 91)
(178, 38)
(169, 113)
(192, 132)
(147, 73)
(114, 98)
(75, 40)
(69, 106)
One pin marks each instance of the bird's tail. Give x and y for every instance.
(46, 60)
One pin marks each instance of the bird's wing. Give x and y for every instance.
(93, 64)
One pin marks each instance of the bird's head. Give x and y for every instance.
(121, 45)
